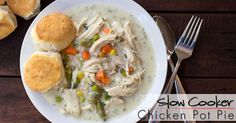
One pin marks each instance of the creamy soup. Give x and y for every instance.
(144, 52)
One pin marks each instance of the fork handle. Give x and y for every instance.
(169, 87)
(178, 85)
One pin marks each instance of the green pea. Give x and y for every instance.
(79, 93)
(58, 99)
(95, 88)
(82, 99)
(80, 75)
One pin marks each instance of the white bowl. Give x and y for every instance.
(153, 34)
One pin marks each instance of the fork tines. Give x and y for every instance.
(191, 32)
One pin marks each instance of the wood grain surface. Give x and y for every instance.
(211, 69)
(184, 6)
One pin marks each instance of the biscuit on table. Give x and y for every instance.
(24, 8)
(8, 22)
(2, 2)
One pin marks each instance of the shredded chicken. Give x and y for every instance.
(93, 68)
(128, 34)
(92, 30)
(118, 60)
(93, 79)
(113, 102)
(92, 62)
(74, 76)
(94, 19)
(82, 22)
(126, 86)
(117, 28)
(71, 101)
(121, 91)
(129, 53)
(102, 41)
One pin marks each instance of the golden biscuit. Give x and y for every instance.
(43, 71)
(54, 32)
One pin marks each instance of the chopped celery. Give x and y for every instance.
(106, 96)
(96, 37)
(123, 72)
(100, 109)
(68, 74)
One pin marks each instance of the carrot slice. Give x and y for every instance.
(106, 81)
(86, 55)
(70, 50)
(101, 76)
(106, 49)
(106, 30)
(130, 70)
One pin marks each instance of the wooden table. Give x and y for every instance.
(211, 69)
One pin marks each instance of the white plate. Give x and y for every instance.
(153, 34)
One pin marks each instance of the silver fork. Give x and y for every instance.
(185, 46)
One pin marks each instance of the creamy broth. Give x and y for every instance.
(145, 52)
